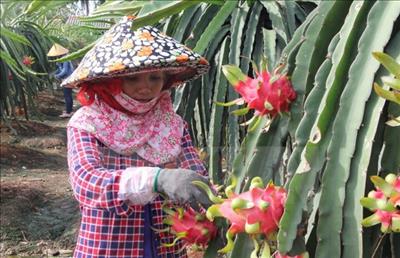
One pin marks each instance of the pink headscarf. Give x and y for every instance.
(154, 131)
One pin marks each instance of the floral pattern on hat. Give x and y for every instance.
(122, 51)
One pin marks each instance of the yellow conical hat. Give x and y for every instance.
(57, 50)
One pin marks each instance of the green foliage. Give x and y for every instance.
(28, 29)
(20, 82)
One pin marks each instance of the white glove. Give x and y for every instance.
(136, 185)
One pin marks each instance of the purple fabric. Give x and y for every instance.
(150, 241)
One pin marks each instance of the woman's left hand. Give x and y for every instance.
(177, 185)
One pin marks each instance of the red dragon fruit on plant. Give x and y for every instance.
(267, 94)
(28, 60)
(256, 212)
(192, 227)
(384, 202)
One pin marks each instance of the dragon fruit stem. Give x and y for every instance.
(229, 189)
(266, 251)
(229, 245)
(206, 188)
(255, 125)
(175, 240)
(213, 212)
(254, 254)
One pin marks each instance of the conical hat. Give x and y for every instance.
(122, 52)
(57, 50)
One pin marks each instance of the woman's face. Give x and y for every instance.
(143, 86)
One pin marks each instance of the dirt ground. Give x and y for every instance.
(39, 215)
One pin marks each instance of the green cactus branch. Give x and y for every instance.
(348, 120)
(355, 186)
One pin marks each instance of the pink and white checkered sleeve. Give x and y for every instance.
(93, 185)
(189, 158)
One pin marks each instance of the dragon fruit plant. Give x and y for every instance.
(384, 202)
(267, 94)
(190, 226)
(256, 212)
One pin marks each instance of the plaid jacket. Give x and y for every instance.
(109, 227)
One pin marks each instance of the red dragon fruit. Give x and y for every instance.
(192, 227)
(267, 94)
(384, 202)
(28, 60)
(256, 212)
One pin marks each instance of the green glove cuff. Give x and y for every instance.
(155, 182)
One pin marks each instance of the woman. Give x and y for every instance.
(126, 144)
(64, 70)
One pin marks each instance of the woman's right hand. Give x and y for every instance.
(177, 185)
